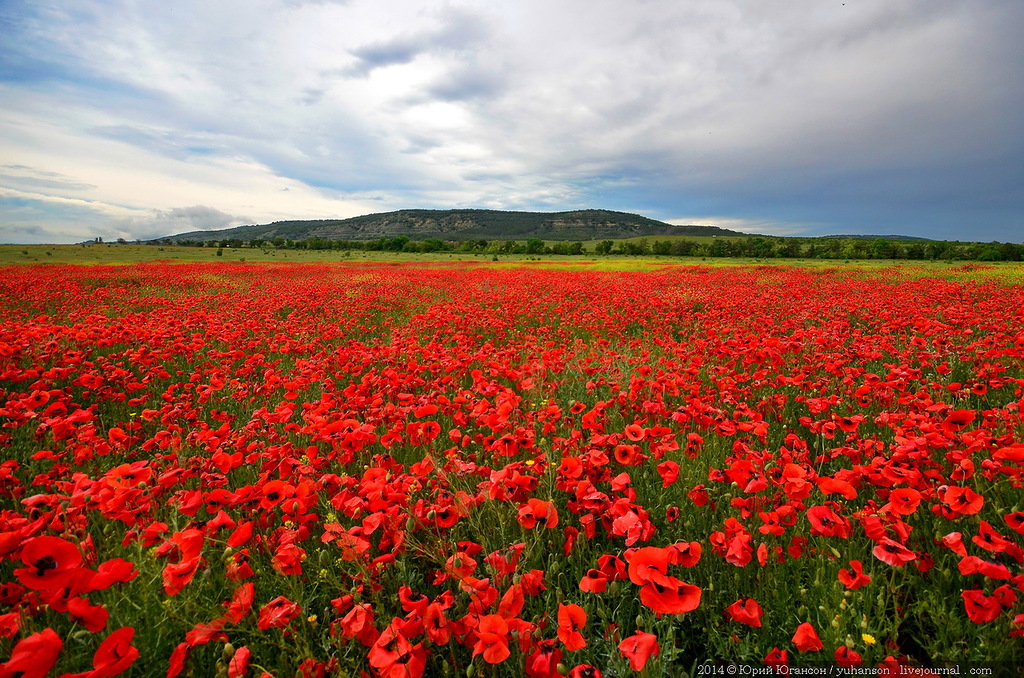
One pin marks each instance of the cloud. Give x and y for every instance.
(784, 113)
(459, 30)
(161, 223)
(30, 178)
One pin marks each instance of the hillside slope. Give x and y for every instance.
(470, 224)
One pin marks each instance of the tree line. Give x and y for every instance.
(757, 247)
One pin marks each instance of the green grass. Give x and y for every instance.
(115, 254)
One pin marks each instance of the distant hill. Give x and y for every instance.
(468, 224)
(902, 238)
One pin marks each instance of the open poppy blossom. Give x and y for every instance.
(745, 611)
(114, 655)
(538, 512)
(34, 655)
(893, 553)
(571, 620)
(492, 639)
(854, 577)
(639, 648)
(50, 562)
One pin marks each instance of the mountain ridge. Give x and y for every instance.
(462, 224)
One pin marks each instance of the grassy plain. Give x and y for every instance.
(117, 254)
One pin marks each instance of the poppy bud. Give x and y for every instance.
(228, 652)
(613, 588)
(410, 525)
(639, 620)
(553, 568)
(431, 514)
(802, 610)
(849, 642)
(470, 671)
(562, 669)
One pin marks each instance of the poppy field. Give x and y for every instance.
(251, 469)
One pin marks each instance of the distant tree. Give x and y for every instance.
(604, 247)
(534, 246)
(914, 250)
(661, 247)
(882, 249)
(1010, 251)
(789, 248)
(758, 247)
(684, 248)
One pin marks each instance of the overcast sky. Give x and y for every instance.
(138, 119)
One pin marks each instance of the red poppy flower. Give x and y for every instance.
(492, 639)
(648, 561)
(745, 611)
(34, 656)
(979, 607)
(115, 654)
(957, 420)
(241, 603)
(776, 658)
(277, 613)
(827, 523)
(537, 512)
(962, 500)
(51, 562)
(594, 581)
(669, 472)
(612, 566)
(585, 671)
(177, 575)
(571, 619)
(685, 554)
(393, 656)
(358, 624)
(893, 553)
(239, 664)
(628, 455)
(855, 577)
(990, 540)
(903, 501)
(92, 617)
(847, 657)
(638, 648)
(435, 624)
(668, 595)
(635, 432)
(806, 638)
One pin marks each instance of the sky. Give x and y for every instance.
(140, 119)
